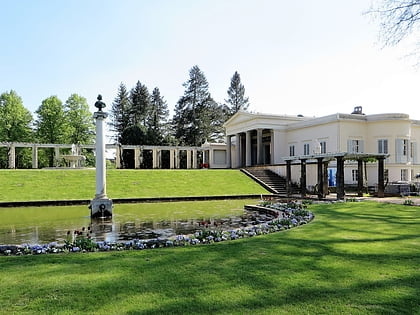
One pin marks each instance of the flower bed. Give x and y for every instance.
(286, 216)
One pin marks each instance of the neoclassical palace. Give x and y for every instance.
(254, 139)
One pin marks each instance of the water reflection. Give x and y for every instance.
(122, 228)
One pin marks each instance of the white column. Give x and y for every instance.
(100, 155)
(188, 159)
(12, 156)
(228, 152)
(194, 158)
(238, 151)
(137, 158)
(211, 153)
(172, 159)
(34, 156)
(154, 158)
(57, 155)
(248, 158)
(177, 158)
(118, 157)
(271, 147)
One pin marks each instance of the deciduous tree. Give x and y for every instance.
(79, 119)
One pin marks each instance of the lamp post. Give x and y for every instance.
(101, 206)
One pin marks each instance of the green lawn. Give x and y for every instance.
(354, 258)
(25, 185)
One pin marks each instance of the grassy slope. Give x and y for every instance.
(355, 258)
(23, 185)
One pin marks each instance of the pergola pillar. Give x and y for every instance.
(325, 178)
(288, 177)
(172, 159)
(340, 178)
(188, 159)
(117, 157)
(320, 178)
(194, 158)
(248, 155)
(228, 152)
(12, 156)
(155, 161)
(177, 158)
(137, 158)
(57, 156)
(360, 177)
(34, 156)
(260, 147)
(303, 177)
(381, 179)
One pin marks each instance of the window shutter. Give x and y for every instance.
(414, 152)
(350, 146)
(361, 146)
(399, 150)
(385, 146)
(380, 146)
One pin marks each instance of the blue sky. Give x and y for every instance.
(295, 57)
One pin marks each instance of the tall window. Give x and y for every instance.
(306, 149)
(323, 145)
(292, 150)
(355, 175)
(383, 146)
(355, 146)
(404, 174)
(401, 150)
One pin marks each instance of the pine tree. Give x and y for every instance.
(120, 112)
(194, 113)
(236, 92)
(140, 105)
(157, 124)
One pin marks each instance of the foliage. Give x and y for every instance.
(158, 127)
(140, 105)
(15, 119)
(79, 119)
(120, 112)
(236, 96)
(198, 118)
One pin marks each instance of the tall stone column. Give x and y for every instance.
(194, 158)
(238, 151)
(137, 158)
(228, 152)
(34, 156)
(171, 159)
(101, 205)
(155, 158)
(248, 156)
(12, 156)
(118, 157)
(260, 159)
(188, 159)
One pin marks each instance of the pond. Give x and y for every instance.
(42, 225)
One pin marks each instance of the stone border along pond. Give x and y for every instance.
(286, 216)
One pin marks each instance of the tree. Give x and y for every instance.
(15, 126)
(398, 19)
(120, 112)
(236, 92)
(79, 119)
(140, 105)
(51, 124)
(193, 120)
(158, 122)
(15, 119)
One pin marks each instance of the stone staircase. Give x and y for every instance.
(269, 180)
